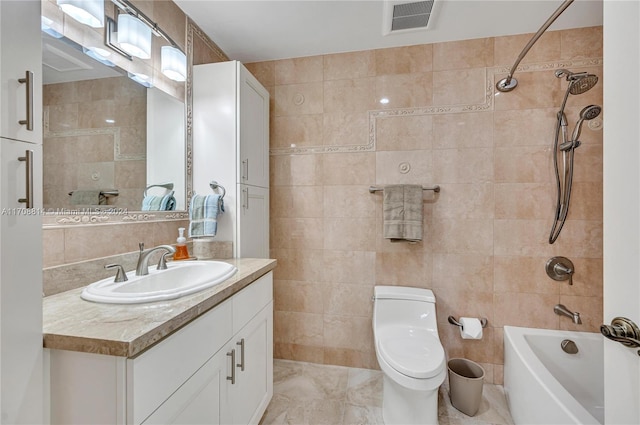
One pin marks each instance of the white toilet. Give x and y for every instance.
(409, 353)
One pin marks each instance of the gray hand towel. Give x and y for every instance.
(402, 213)
(88, 197)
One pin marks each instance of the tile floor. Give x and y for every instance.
(313, 394)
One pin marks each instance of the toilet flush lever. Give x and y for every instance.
(560, 268)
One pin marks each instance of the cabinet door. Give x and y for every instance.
(253, 223)
(200, 400)
(21, 350)
(253, 131)
(21, 52)
(254, 369)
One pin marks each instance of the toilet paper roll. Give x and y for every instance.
(471, 328)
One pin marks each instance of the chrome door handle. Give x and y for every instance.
(241, 364)
(232, 378)
(28, 158)
(28, 79)
(622, 330)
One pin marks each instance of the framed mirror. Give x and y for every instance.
(114, 149)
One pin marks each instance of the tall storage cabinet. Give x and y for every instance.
(231, 146)
(21, 361)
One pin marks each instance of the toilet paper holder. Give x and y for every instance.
(453, 321)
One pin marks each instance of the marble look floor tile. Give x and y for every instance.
(364, 388)
(309, 394)
(308, 381)
(362, 415)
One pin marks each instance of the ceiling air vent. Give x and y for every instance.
(402, 16)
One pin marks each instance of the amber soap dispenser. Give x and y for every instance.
(181, 247)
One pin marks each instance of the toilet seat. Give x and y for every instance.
(414, 352)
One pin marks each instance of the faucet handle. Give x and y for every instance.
(121, 276)
(162, 263)
(141, 246)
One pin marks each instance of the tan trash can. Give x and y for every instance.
(465, 385)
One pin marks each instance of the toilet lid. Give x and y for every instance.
(414, 352)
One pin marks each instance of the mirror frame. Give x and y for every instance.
(90, 218)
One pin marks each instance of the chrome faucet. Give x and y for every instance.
(142, 269)
(561, 310)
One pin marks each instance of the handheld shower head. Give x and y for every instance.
(587, 114)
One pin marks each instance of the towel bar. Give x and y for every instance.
(214, 185)
(106, 193)
(373, 189)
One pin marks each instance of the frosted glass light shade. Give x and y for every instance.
(87, 12)
(134, 37)
(173, 63)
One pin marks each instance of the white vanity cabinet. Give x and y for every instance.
(231, 146)
(20, 71)
(217, 369)
(21, 354)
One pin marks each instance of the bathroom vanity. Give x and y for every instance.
(203, 358)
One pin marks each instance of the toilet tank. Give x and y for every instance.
(404, 306)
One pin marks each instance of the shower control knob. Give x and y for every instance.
(560, 268)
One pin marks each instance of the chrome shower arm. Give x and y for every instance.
(509, 83)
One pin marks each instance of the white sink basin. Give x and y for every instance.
(179, 279)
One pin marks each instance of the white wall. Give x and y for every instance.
(166, 153)
(621, 203)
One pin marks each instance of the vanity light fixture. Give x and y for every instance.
(46, 25)
(140, 78)
(134, 36)
(99, 54)
(131, 36)
(173, 63)
(87, 12)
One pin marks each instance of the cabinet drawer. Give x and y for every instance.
(154, 375)
(248, 302)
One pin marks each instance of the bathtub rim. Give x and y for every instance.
(515, 336)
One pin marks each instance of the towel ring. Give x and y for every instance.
(214, 185)
(168, 186)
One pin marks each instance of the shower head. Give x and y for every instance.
(579, 82)
(582, 83)
(587, 114)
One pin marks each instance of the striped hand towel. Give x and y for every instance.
(203, 215)
(159, 203)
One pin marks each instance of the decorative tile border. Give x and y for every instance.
(110, 217)
(487, 105)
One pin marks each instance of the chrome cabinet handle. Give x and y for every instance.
(232, 378)
(622, 330)
(241, 364)
(28, 79)
(28, 158)
(245, 169)
(245, 203)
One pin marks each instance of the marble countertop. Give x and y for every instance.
(71, 323)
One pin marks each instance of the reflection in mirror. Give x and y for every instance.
(106, 137)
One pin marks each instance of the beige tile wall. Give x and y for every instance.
(485, 234)
(83, 150)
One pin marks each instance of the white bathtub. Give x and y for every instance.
(545, 385)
